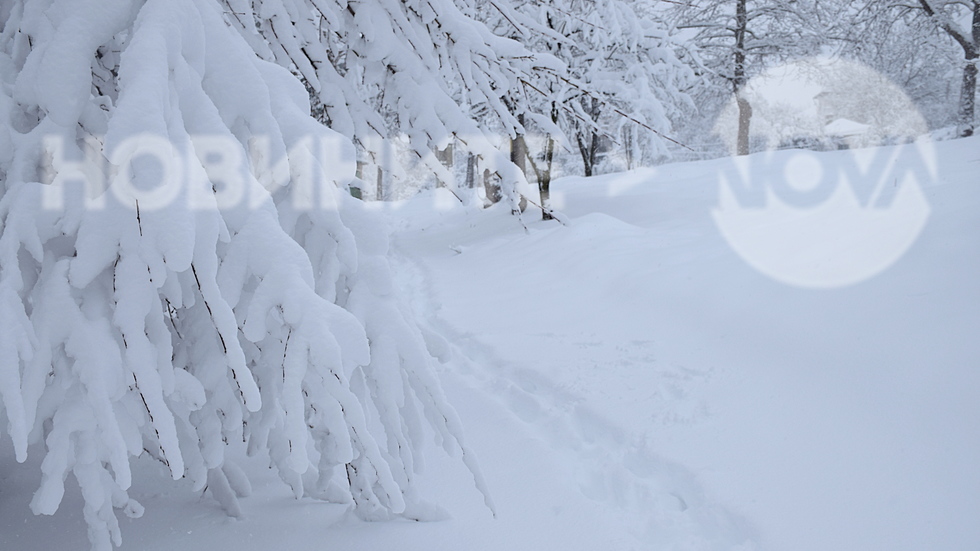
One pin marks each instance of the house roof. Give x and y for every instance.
(845, 127)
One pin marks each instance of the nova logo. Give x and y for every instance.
(825, 219)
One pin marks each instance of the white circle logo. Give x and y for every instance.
(849, 205)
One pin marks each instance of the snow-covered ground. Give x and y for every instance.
(628, 382)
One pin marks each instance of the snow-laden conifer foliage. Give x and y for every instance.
(177, 326)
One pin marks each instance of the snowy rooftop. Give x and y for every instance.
(845, 128)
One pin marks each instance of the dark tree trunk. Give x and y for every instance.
(471, 171)
(739, 80)
(445, 156)
(744, 119)
(628, 145)
(593, 149)
(544, 180)
(492, 188)
(968, 94)
(968, 98)
(359, 174)
(589, 147)
(518, 152)
(543, 175)
(584, 152)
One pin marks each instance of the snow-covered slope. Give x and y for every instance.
(825, 419)
(628, 382)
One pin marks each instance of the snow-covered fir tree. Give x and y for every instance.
(229, 290)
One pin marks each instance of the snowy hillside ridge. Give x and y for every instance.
(170, 331)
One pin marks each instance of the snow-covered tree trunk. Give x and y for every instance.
(968, 97)
(739, 79)
(588, 139)
(181, 267)
(543, 172)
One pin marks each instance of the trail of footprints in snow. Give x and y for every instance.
(661, 502)
(664, 397)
